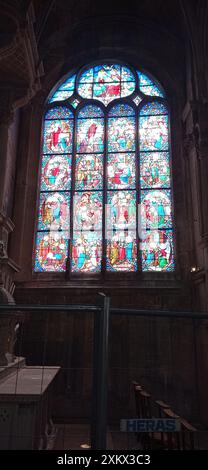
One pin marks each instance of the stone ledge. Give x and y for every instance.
(12, 367)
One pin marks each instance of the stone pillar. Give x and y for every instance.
(6, 117)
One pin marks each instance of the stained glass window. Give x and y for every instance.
(105, 202)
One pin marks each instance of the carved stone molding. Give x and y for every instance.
(20, 66)
(8, 267)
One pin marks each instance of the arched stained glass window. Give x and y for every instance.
(105, 186)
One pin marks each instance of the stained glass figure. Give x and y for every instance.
(121, 170)
(51, 251)
(106, 83)
(153, 132)
(90, 132)
(157, 251)
(100, 158)
(58, 136)
(87, 251)
(121, 134)
(122, 206)
(121, 251)
(89, 171)
(54, 211)
(56, 172)
(154, 169)
(156, 209)
(88, 210)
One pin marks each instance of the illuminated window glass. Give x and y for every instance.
(105, 201)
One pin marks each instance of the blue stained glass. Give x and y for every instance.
(64, 91)
(68, 84)
(127, 75)
(153, 108)
(151, 91)
(90, 111)
(85, 90)
(60, 112)
(148, 86)
(121, 110)
(107, 73)
(87, 76)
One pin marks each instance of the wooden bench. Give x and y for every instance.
(147, 408)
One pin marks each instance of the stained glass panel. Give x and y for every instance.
(127, 75)
(85, 90)
(153, 132)
(87, 251)
(90, 135)
(61, 95)
(56, 172)
(60, 112)
(121, 170)
(106, 83)
(121, 134)
(127, 88)
(88, 210)
(154, 170)
(89, 172)
(87, 76)
(121, 109)
(90, 111)
(148, 87)
(64, 91)
(51, 251)
(58, 136)
(156, 209)
(94, 170)
(107, 73)
(54, 211)
(68, 84)
(157, 251)
(121, 210)
(121, 251)
(153, 108)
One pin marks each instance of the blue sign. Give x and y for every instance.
(150, 425)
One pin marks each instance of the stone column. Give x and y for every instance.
(6, 117)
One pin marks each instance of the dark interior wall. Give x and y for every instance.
(159, 353)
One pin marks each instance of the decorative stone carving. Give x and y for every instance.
(9, 327)
(3, 253)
